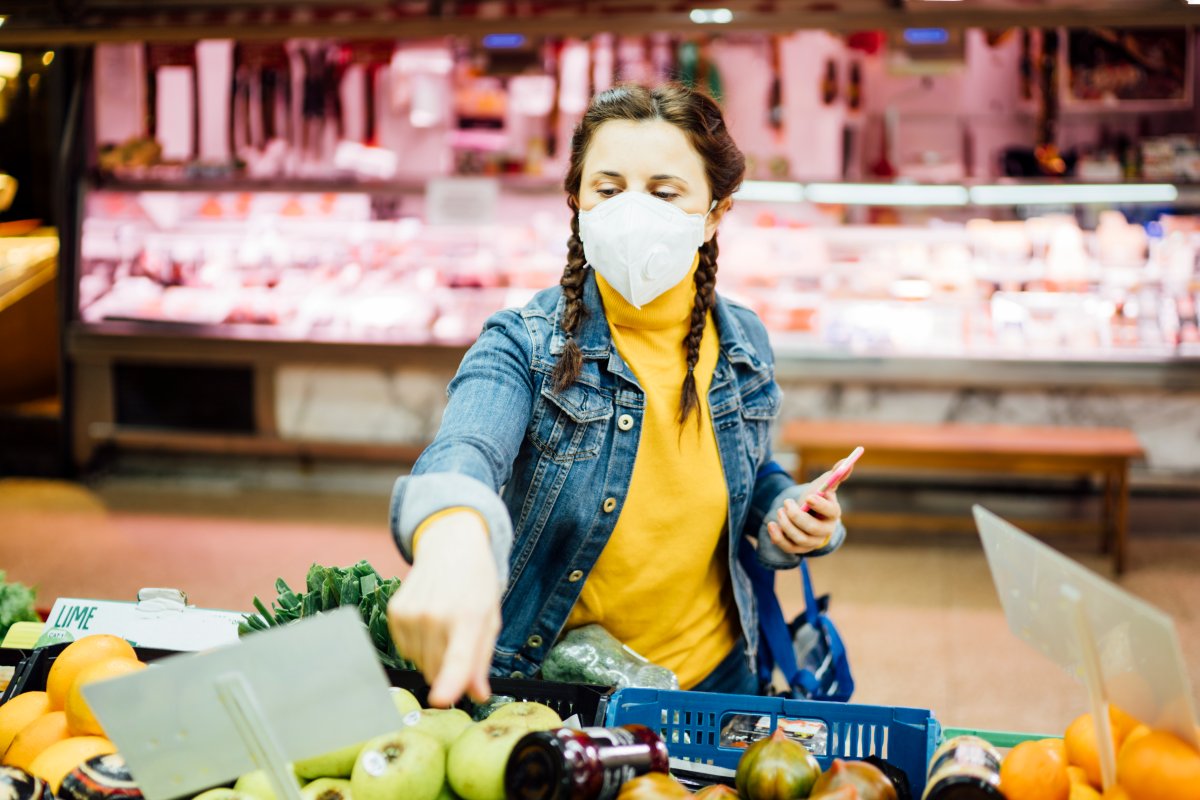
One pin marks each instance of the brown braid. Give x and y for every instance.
(706, 295)
(566, 371)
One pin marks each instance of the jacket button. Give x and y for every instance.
(534, 642)
(624, 422)
(518, 674)
(575, 576)
(610, 505)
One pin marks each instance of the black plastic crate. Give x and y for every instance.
(33, 666)
(589, 702)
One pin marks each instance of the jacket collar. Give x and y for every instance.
(595, 340)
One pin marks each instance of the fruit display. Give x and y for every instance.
(1151, 764)
(52, 747)
(52, 734)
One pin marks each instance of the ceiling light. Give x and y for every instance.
(885, 194)
(3, 19)
(1065, 194)
(711, 16)
(10, 64)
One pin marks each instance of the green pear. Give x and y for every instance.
(255, 784)
(337, 764)
(443, 724)
(534, 716)
(479, 757)
(222, 794)
(327, 789)
(406, 702)
(406, 764)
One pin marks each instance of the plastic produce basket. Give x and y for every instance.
(691, 723)
(589, 702)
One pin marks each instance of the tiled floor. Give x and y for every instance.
(919, 613)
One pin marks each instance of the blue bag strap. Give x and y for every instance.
(812, 613)
(775, 645)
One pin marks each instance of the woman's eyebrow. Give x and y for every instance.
(608, 173)
(668, 178)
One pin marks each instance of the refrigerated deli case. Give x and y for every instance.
(306, 319)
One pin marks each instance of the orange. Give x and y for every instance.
(79, 655)
(57, 760)
(1077, 775)
(1083, 745)
(1034, 771)
(79, 714)
(35, 737)
(1134, 735)
(1082, 791)
(1115, 792)
(19, 712)
(1159, 766)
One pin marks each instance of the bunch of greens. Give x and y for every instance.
(16, 604)
(329, 588)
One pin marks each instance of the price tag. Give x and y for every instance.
(294, 692)
(1047, 597)
(155, 623)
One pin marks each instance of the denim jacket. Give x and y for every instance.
(548, 470)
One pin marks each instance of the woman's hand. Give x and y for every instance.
(799, 532)
(446, 614)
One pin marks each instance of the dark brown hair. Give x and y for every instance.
(700, 118)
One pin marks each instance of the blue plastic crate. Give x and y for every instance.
(691, 724)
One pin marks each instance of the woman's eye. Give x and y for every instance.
(607, 191)
(663, 194)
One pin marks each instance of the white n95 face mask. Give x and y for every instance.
(642, 245)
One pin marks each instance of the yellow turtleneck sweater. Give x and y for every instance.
(662, 584)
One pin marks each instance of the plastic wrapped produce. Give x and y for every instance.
(592, 655)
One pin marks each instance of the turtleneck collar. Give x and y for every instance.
(671, 309)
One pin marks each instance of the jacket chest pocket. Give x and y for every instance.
(760, 408)
(570, 425)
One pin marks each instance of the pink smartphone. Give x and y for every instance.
(839, 474)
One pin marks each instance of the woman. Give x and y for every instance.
(606, 447)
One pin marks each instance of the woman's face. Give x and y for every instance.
(654, 157)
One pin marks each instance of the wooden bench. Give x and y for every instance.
(1011, 450)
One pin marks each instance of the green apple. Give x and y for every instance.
(443, 724)
(337, 764)
(534, 716)
(479, 757)
(406, 702)
(447, 793)
(327, 789)
(406, 764)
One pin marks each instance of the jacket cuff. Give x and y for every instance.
(771, 556)
(415, 498)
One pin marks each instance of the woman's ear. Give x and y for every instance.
(714, 218)
(573, 202)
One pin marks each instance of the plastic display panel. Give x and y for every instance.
(1141, 666)
(191, 722)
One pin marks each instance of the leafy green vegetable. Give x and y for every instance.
(16, 604)
(328, 588)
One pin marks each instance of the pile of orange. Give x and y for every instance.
(1151, 764)
(50, 733)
